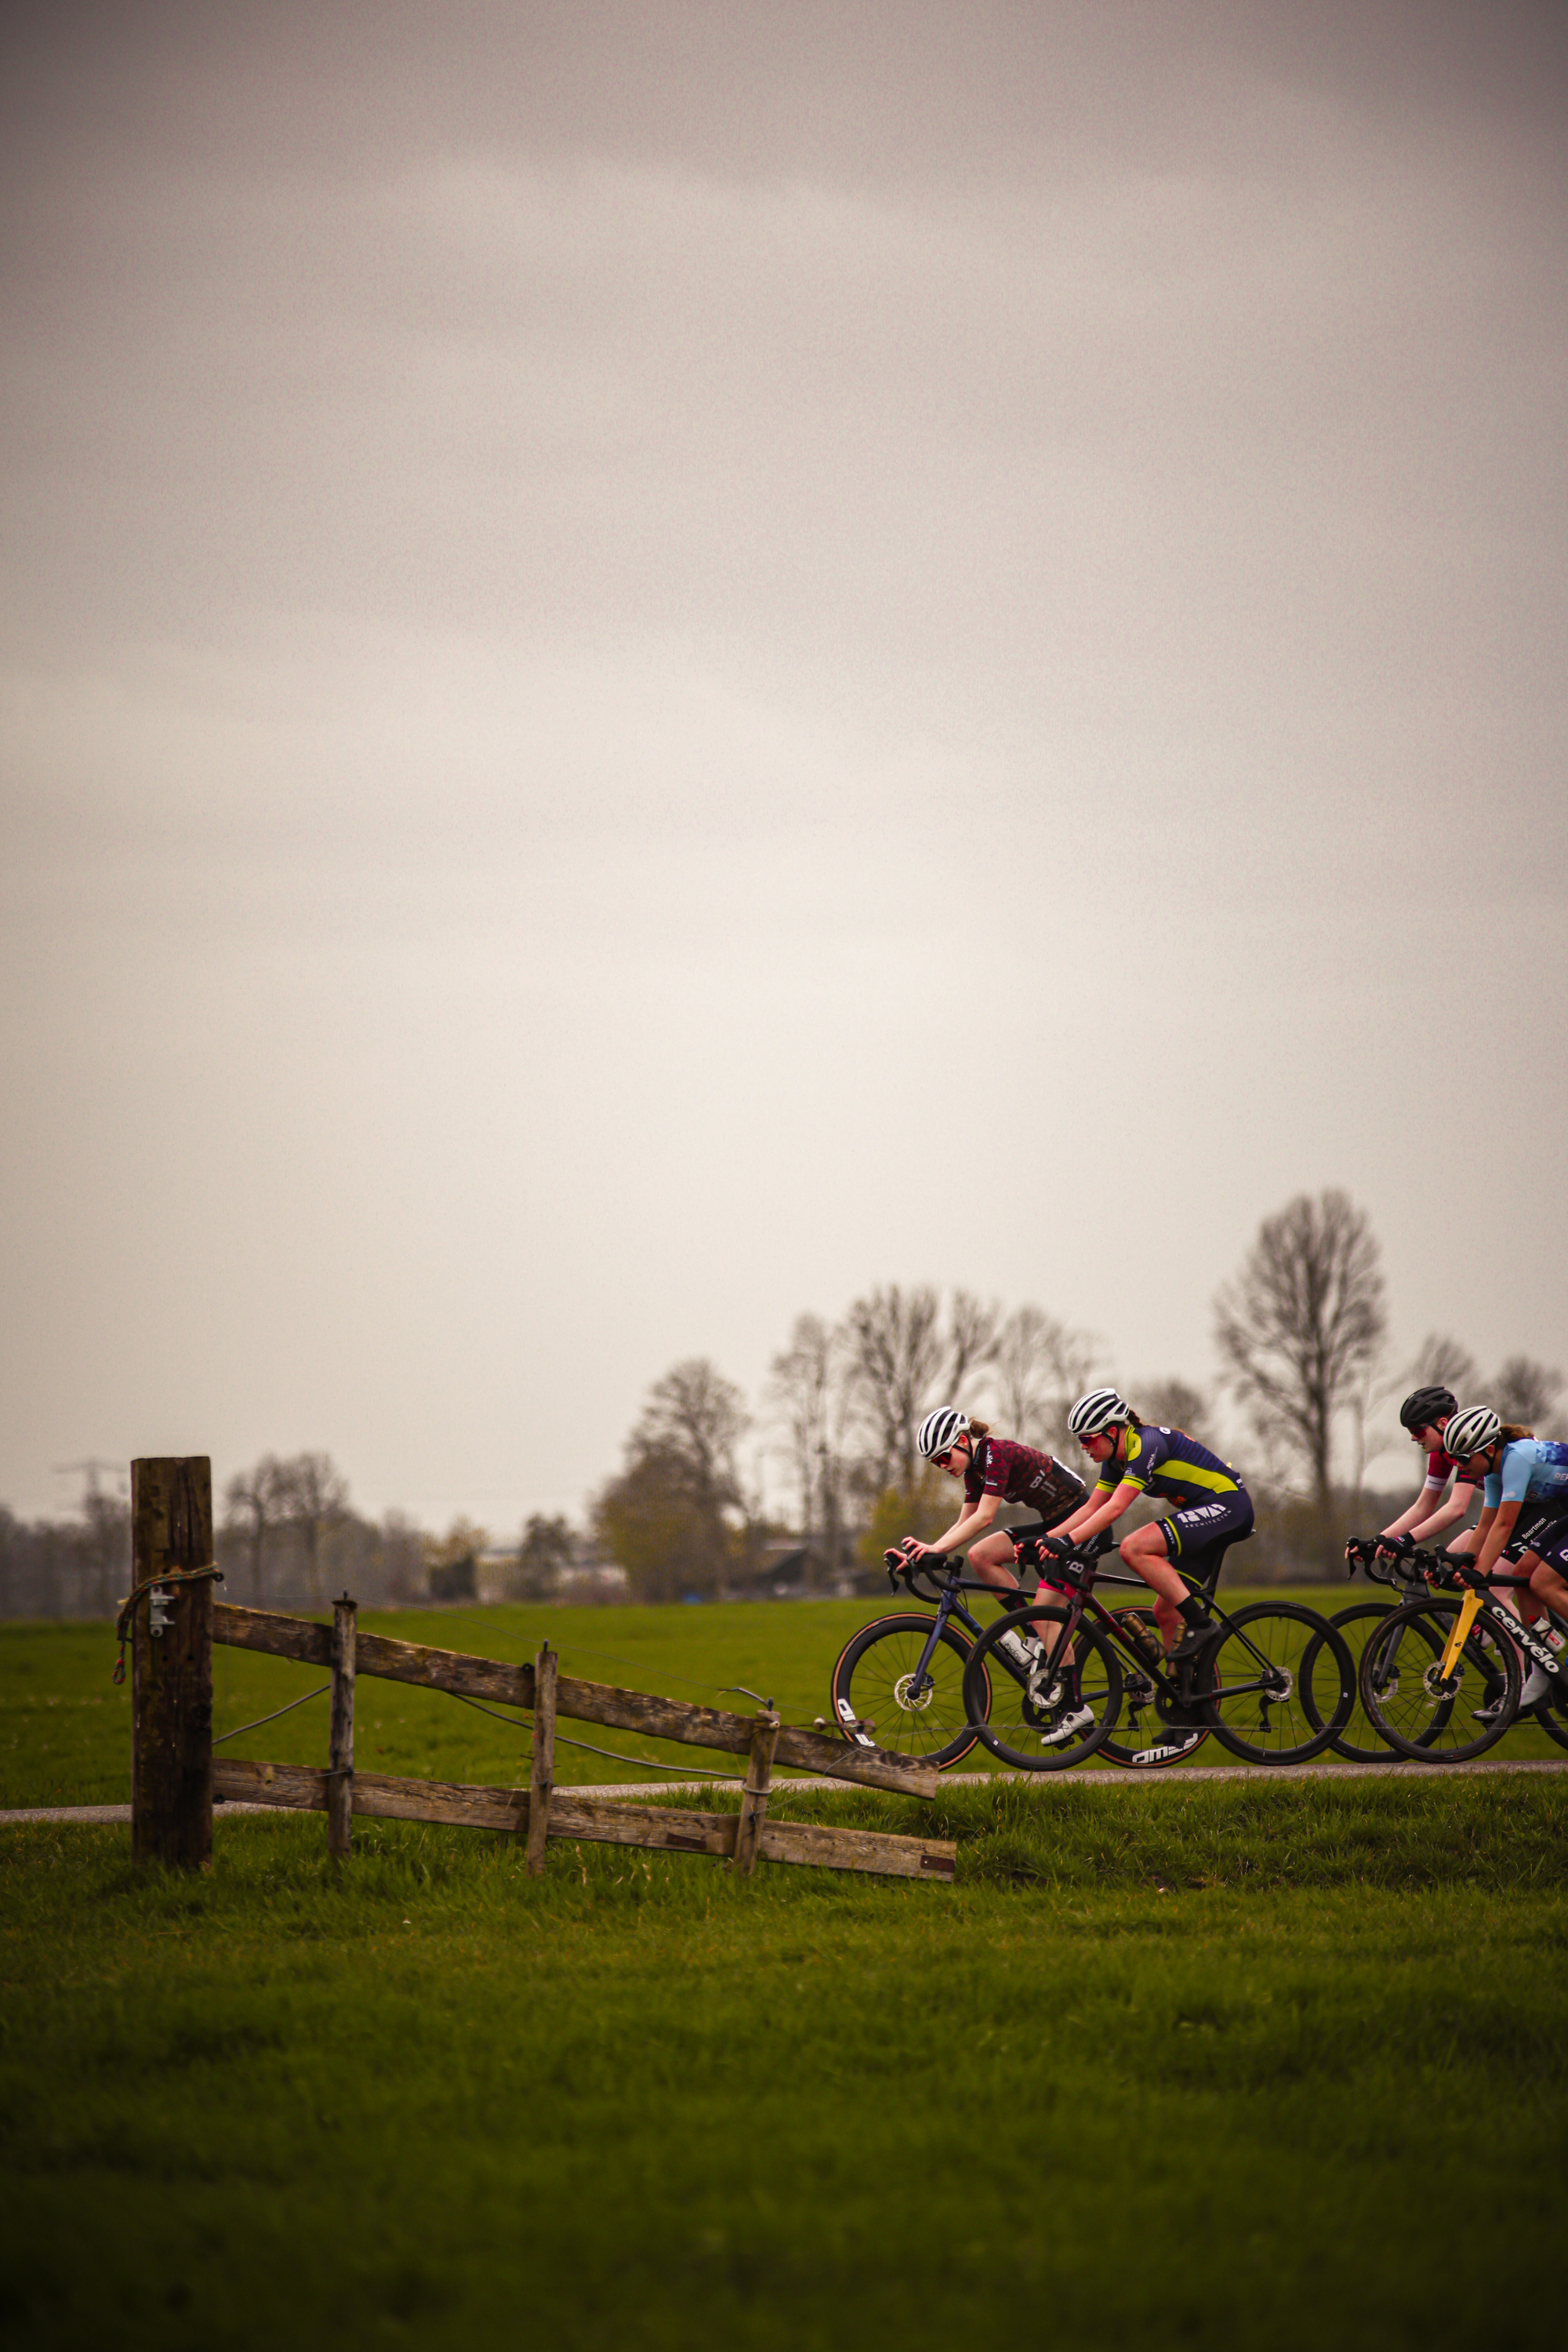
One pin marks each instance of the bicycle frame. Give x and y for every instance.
(1077, 1593)
(1437, 1569)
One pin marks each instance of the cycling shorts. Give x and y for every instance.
(1547, 1537)
(1540, 1528)
(1192, 1535)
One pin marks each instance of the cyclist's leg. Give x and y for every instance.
(992, 1560)
(1189, 1537)
(1145, 1552)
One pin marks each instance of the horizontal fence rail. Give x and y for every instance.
(604, 1821)
(624, 1710)
(542, 1810)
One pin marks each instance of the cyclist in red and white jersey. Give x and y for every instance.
(1426, 1413)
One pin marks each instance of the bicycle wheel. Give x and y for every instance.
(1143, 1739)
(874, 1677)
(1361, 1742)
(1278, 1684)
(1420, 1714)
(1033, 1706)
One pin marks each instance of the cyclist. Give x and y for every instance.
(1211, 1504)
(1425, 1413)
(994, 1470)
(1524, 1514)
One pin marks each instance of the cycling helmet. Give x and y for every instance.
(942, 1429)
(1424, 1408)
(1471, 1432)
(1100, 1410)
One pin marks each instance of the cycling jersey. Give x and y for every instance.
(1533, 1469)
(1018, 1474)
(1167, 1463)
(1438, 1465)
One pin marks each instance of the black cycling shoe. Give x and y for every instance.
(1192, 1644)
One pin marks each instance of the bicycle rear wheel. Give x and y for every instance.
(1420, 1714)
(1043, 1716)
(1143, 1740)
(874, 1679)
(1278, 1684)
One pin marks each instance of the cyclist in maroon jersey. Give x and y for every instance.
(994, 1470)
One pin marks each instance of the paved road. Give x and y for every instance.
(110, 1815)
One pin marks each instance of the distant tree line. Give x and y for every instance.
(1300, 1334)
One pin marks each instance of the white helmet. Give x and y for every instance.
(1471, 1432)
(1100, 1410)
(942, 1429)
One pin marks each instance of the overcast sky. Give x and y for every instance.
(661, 662)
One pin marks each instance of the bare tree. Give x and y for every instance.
(895, 1351)
(1526, 1391)
(669, 1517)
(255, 1503)
(1441, 1361)
(314, 1495)
(807, 1392)
(1301, 1325)
(1173, 1404)
(973, 1328)
(1040, 1367)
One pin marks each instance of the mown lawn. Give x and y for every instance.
(64, 1736)
(1259, 2063)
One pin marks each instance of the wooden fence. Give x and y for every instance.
(174, 1621)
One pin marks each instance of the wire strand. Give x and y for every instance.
(272, 1717)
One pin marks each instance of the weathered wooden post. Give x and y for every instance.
(172, 1662)
(542, 1771)
(341, 1753)
(754, 1795)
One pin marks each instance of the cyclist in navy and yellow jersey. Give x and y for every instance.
(1211, 1505)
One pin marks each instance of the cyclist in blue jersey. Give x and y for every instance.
(1524, 1514)
(1211, 1503)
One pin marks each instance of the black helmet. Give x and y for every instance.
(1424, 1408)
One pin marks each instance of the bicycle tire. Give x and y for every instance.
(1138, 1749)
(937, 1730)
(1444, 1720)
(1288, 1707)
(1353, 1743)
(1021, 1731)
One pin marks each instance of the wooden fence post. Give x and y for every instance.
(341, 1753)
(754, 1795)
(542, 1771)
(172, 1662)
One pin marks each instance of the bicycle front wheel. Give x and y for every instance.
(1435, 1719)
(1278, 1685)
(1050, 1704)
(874, 1681)
(1361, 1742)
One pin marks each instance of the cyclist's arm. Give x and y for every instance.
(971, 1521)
(1091, 1517)
(1456, 1507)
(1497, 1536)
(1416, 1514)
(1466, 1545)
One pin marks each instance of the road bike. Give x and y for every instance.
(1432, 1677)
(900, 1679)
(1250, 1685)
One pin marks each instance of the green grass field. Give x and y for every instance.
(1231, 2063)
(65, 1735)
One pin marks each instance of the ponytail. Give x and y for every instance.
(1512, 1431)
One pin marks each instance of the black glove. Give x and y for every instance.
(1027, 1551)
(1395, 1546)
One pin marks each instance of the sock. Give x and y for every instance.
(1192, 1611)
